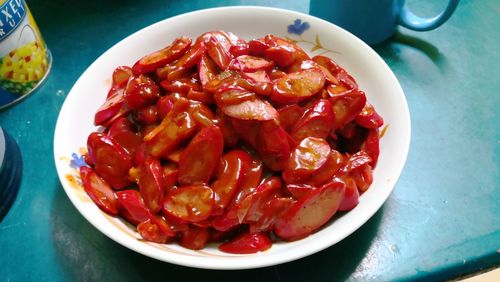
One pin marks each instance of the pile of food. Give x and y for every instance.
(232, 141)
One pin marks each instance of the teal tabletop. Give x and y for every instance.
(441, 222)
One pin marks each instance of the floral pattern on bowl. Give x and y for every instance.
(297, 29)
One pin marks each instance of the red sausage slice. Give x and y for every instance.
(189, 203)
(160, 58)
(98, 190)
(112, 162)
(310, 212)
(198, 161)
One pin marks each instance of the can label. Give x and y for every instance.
(13, 13)
(24, 58)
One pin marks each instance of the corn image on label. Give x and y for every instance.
(24, 58)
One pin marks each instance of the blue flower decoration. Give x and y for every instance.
(298, 27)
(77, 161)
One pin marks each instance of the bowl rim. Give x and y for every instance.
(207, 262)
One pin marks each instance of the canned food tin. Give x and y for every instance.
(25, 60)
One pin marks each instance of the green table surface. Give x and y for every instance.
(442, 220)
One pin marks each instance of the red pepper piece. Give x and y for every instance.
(247, 243)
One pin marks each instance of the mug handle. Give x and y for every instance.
(409, 20)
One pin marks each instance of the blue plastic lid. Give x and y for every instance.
(11, 166)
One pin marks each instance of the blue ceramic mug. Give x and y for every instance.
(10, 171)
(376, 20)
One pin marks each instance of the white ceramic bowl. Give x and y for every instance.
(373, 75)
